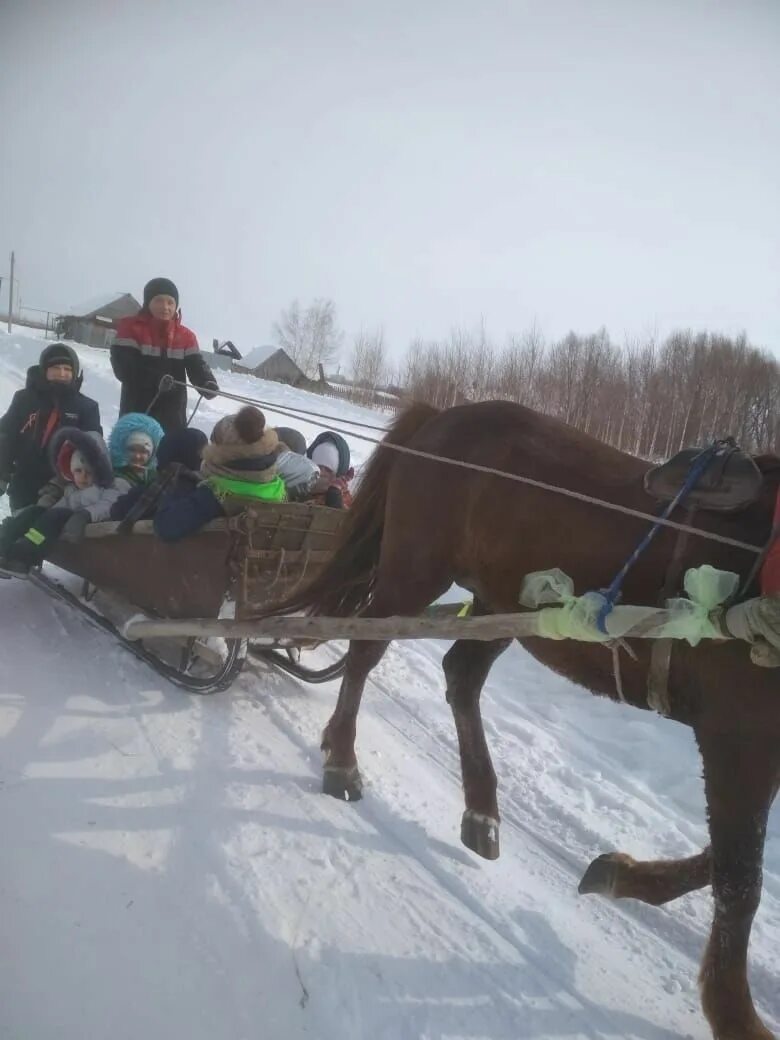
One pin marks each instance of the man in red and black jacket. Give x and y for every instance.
(51, 398)
(153, 344)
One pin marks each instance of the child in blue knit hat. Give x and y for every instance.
(177, 474)
(133, 445)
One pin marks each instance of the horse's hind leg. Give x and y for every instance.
(466, 666)
(407, 591)
(341, 776)
(741, 775)
(653, 881)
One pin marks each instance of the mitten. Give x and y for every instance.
(73, 531)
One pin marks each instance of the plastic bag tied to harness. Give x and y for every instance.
(575, 617)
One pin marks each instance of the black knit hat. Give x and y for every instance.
(160, 287)
(59, 354)
(183, 446)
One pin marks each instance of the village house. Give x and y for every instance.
(94, 323)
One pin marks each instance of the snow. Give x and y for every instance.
(169, 868)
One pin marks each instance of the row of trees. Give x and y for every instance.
(646, 397)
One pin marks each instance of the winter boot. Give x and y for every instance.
(11, 568)
(23, 555)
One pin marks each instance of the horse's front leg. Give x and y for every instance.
(466, 666)
(740, 775)
(651, 881)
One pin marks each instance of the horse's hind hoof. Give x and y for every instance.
(480, 834)
(601, 876)
(343, 783)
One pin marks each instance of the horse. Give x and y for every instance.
(419, 524)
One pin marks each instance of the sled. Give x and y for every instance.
(195, 609)
(233, 568)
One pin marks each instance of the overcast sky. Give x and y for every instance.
(576, 163)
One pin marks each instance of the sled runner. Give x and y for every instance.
(232, 569)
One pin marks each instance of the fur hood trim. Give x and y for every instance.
(91, 445)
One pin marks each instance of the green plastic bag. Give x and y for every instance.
(575, 617)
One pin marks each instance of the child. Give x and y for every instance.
(298, 472)
(178, 473)
(239, 465)
(330, 452)
(132, 443)
(151, 345)
(81, 493)
(50, 399)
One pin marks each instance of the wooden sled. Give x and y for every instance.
(231, 569)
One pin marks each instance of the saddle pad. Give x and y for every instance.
(731, 481)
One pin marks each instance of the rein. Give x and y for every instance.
(579, 496)
(612, 593)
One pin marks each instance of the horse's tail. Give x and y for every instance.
(343, 588)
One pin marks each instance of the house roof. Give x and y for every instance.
(259, 355)
(227, 349)
(109, 304)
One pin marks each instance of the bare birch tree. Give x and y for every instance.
(311, 337)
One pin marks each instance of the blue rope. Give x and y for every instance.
(612, 593)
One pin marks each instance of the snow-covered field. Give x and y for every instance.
(170, 871)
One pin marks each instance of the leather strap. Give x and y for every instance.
(661, 654)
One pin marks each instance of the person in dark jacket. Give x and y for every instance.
(50, 399)
(178, 474)
(239, 470)
(330, 452)
(154, 344)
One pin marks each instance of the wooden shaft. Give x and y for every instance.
(324, 629)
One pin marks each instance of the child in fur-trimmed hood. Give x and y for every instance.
(82, 492)
(239, 467)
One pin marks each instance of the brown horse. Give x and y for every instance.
(418, 525)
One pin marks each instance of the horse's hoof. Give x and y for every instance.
(601, 876)
(754, 1030)
(480, 834)
(342, 782)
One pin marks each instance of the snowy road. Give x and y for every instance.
(170, 870)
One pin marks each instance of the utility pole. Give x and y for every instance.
(11, 294)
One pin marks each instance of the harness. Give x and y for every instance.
(696, 471)
(719, 478)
